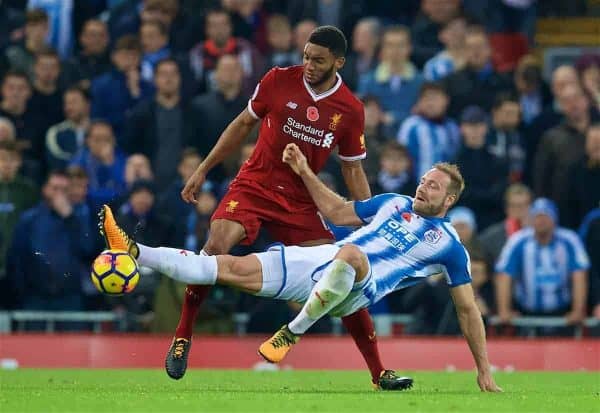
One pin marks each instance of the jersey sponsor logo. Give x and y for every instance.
(432, 236)
(231, 206)
(394, 233)
(312, 113)
(334, 121)
(292, 105)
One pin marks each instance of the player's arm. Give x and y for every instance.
(356, 180)
(231, 138)
(473, 329)
(503, 286)
(333, 207)
(579, 297)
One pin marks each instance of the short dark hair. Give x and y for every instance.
(165, 61)
(85, 93)
(504, 97)
(393, 147)
(47, 52)
(36, 16)
(77, 172)
(16, 73)
(330, 37)
(162, 28)
(431, 86)
(128, 42)
(189, 152)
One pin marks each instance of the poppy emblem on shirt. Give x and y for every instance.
(406, 216)
(432, 236)
(312, 113)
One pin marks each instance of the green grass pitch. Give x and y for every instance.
(44, 390)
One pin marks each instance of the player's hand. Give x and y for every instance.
(293, 156)
(486, 383)
(193, 186)
(575, 317)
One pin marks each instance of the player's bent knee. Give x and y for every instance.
(355, 258)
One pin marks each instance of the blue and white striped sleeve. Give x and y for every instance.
(458, 266)
(510, 258)
(367, 209)
(578, 257)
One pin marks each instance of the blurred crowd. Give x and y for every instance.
(118, 101)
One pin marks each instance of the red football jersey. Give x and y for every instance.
(292, 112)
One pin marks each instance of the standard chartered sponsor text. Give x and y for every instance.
(297, 131)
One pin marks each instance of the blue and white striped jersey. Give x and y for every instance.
(404, 248)
(438, 67)
(542, 273)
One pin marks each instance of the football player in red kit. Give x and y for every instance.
(310, 106)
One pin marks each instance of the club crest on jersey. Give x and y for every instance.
(231, 205)
(334, 120)
(312, 113)
(432, 236)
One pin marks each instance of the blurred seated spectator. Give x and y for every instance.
(21, 55)
(542, 270)
(279, 38)
(452, 58)
(533, 93)
(517, 200)
(249, 20)
(137, 167)
(302, 31)
(7, 130)
(154, 40)
(161, 127)
(60, 18)
(46, 101)
(363, 54)
(104, 164)
(429, 135)
(66, 138)
(395, 81)
(50, 254)
(395, 174)
(590, 235)
(375, 135)
(220, 41)
(17, 194)
(217, 108)
(92, 59)
(11, 21)
(486, 174)
(464, 222)
(504, 140)
(583, 187)
(588, 68)
(118, 91)
(477, 83)
(561, 147)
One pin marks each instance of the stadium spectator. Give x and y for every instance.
(542, 270)
(21, 56)
(161, 127)
(583, 183)
(50, 253)
(17, 194)
(504, 140)
(477, 83)
(60, 23)
(534, 95)
(452, 58)
(590, 235)
(104, 164)
(279, 38)
(249, 20)
(338, 13)
(215, 109)
(220, 41)
(92, 59)
(11, 20)
(155, 47)
(183, 28)
(302, 31)
(7, 130)
(47, 97)
(433, 15)
(66, 138)
(363, 55)
(375, 135)
(137, 167)
(486, 173)
(517, 200)
(561, 147)
(116, 92)
(588, 68)
(395, 174)
(395, 80)
(429, 134)
(464, 222)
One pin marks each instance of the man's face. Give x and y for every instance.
(218, 28)
(395, 47)
(229, 73)
(10, 162)
(78, 189)
(507, 116)
(562, 77)
(16, 90)
(56, 186)
(478, 50)
(592, 144)
(543, 224)
(94, 38)
(474, 134)
(363, 38)
(47, 69)
(433, 104)
(101, 141)
(431, 196)
(137, 167)
(36, 32)
(167, 78)
(141, 202)
(75, 106)
(302, 33)
(151, 38)
(373, 114)
(319, 64)
(126, 60)
(573, 103)
(517, 207)
(453, 35)
(188, 166)
(394, 163)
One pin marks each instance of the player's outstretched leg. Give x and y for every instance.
(389, 380)
(333, 287)
(114, 237)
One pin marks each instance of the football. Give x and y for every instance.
(115, 272)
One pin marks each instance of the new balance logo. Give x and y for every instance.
(292, 105)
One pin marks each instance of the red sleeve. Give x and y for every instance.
(352, 144)
(260, 102)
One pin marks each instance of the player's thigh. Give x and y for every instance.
(244, 273)
(224, 234)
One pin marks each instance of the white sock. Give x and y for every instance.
(181, 265)
(333, 287)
